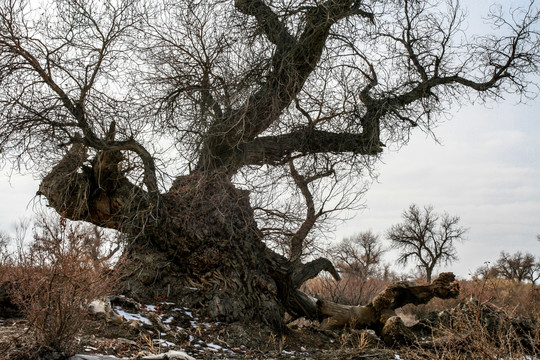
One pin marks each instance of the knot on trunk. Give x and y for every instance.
(66, 186)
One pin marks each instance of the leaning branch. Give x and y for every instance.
(311, 269)
(292, 63)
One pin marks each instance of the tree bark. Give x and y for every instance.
(200, 243)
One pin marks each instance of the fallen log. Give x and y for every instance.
(380, 316)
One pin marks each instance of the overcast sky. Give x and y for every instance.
(487, 171)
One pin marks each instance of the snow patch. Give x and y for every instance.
(129, 316)
(151, 308)
(164, 343)
(214, 347)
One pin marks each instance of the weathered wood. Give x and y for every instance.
(404, 292)
(380, 315)
(99, 194)
(304, 272)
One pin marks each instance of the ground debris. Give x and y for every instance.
(165, 330)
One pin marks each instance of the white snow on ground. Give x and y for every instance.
(150, 308)
(214, 347)
(164, 343)
(129, 316)
(184, 310)
(200, 345)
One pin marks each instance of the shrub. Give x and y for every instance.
(479, 331)
(54, 279)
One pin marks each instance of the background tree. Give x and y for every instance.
(155, 118)
(487, 271)
(359, 261)
(534, 273)
(360, 254)
(518, 266)
(426, 238)
(5, 239)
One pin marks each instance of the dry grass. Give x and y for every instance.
(518, 299)
(350, 290)
(491, 319)
(476, 331)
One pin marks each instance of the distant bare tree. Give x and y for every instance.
(534, 273)
(487, 271)
(5, 239)
(359, 254)
(426, 238)
(359, 260)
(518, 266)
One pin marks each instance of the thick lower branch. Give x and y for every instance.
(304, 272)
(276, 149)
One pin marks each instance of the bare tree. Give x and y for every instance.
(360, 254)
(426, 238)
(148, 118)
(5, 239)
(518, 266)
(359, 261)
(487, 271)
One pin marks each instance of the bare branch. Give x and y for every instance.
(426, 238)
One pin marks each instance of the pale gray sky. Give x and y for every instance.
(487, 171)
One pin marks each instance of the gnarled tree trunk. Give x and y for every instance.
(200, 242)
